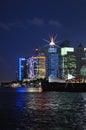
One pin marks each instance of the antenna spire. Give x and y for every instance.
(52, 42)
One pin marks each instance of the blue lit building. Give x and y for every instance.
(52, 60)
(22, 69)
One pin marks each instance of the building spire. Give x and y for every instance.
(52, 41)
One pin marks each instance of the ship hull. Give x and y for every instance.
(63, 87)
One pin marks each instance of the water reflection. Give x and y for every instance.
(52, 110)
(43, 111)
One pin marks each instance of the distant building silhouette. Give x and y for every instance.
(80, 54)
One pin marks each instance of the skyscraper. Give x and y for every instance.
(67, 62)
(52, 60)
(37, 65)
(40, 54)
(22, 69)
(41, 66)
(33, 67)
(80, 54)
(82, 71)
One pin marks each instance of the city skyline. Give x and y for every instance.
(24, 25)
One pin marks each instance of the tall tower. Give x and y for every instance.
(67, 62)
(52, 60)
(79, 57)
(40, 54)
(41, 64)
(32, 67)
(22, 69)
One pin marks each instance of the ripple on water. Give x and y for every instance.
(43, 111)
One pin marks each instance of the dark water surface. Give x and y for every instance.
(42, 111)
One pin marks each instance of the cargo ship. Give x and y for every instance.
(64, 86)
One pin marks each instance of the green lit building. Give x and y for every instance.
(67, 62)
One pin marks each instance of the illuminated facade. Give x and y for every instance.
(55, 62)
(22, 69)
(40, 54)
(33, 67)
(67, 62)
(71, 63)
(37, 66)
(52, 60)
(41, 66)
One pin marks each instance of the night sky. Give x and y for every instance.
(25, 23)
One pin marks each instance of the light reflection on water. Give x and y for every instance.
(43, 111)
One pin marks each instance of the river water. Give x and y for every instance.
(42, 111)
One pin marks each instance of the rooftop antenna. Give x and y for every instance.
(52, 41)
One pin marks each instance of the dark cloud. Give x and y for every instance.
(16, 24)
(55, 23)
(12, 24)
(36, 21)
(40, 22)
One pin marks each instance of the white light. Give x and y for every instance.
(70, 76)
(52, 41)
(64, 50)
(22, 58)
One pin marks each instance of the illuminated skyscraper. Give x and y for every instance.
(37, 66)
(33, 67)
(22, 69)
(67, 62)
(52, 60)
(41, 65)
(40, 54)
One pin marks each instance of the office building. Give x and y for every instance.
(80, 54)
(37, 65)
(52, 60)
(67, 62)
(32, 67)
(22, 69)
(41, 55)
(41, 65)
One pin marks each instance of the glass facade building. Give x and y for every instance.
(40, 54)
(41, 67)
(67, 62)
(22, 69)
(52, 60)
(37, 67)
(32, 67)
